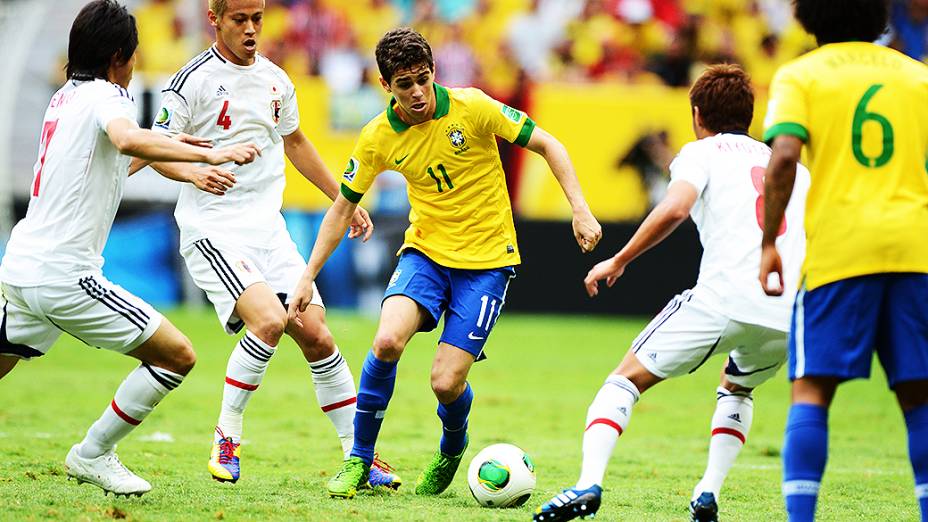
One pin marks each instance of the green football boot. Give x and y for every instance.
(437, 476)
(352, 476)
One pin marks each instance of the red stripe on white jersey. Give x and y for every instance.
(728, 431)
(123, 415)
(340, 404)
(242, 385)
(608, 422)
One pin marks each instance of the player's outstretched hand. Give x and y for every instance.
(215, 180)
(587, 230)
(610, 270)
(770, 264)
(300, 299)
(361, 224)
(241, 153)
(196, 141)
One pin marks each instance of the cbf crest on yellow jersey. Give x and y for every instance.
(862, 110)
(460, 216)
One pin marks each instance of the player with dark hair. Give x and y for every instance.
(459, 251)
(237, 248)
(51, 278)
(718, 180)
(862, 111)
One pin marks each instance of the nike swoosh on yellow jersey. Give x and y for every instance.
(398, 161)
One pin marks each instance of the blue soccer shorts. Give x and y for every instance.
(471, 300)
(837, 327)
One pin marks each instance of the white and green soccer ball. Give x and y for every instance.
(501, 475)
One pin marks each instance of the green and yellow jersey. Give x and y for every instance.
(460, 215)
(862, 111)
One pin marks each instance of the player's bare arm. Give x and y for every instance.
(664, 219)
(778, 187)
(587, 230)
(131, 140)
(139, 164)
(336, 220)
(304, 156)
(208, 178)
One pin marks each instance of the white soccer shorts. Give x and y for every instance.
(92, 309)
(688, 332)
(224, 271)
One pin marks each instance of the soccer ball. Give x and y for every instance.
(501, 475)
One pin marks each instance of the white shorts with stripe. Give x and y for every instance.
(92, 309)
(688, 332)
(225, 270)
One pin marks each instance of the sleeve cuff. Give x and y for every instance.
(526, 132)
(351, 195)
(786, 129)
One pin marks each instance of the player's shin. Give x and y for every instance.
(916, 421)
(805, 452)
(337, 396)
(244, 372)
(454, 422)
(377, 381)
(606, 419)
(731, 423)
(135, 398)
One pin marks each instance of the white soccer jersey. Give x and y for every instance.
(76, 189)
(214, 98)
(728, 172)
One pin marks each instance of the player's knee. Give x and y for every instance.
(316, 342)
(912, 395)
(388, 346)
(183, 357)
(270, 327)
(446, 387)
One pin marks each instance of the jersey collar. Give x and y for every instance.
(442, 105)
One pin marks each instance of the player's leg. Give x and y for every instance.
(678, 341)
(400, 318)
(7, 363)
(232, 281)
(825, 348)
(903, 352)
(759, 354)
(105, 315)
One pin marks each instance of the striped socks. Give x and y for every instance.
(606, 419)
(337, 396)
(731, 423)
(805, 452)
(135, 398)
(246, 368)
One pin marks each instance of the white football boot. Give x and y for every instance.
(105, 472)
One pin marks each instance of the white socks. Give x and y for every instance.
(247, 366)
(337, 395)
(135, 398)
(606, 419)
(730, 426)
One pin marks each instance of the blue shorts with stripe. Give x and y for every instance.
(837, 327)
(471, 300)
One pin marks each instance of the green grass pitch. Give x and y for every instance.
(533, 391)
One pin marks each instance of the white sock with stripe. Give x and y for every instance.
(337, 395)
(135, 398)
(606, 419)
(731, 423)
(247, 366)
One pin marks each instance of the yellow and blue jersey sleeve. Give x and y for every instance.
(362, 168)
(500, 119)
(787, 111)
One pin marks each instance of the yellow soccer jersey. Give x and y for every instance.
(460, 215)
(862, 111)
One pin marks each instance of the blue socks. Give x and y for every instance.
(377, 381)
(805, 452)
(916, 421)
(454, 422)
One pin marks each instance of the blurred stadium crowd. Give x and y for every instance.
(500, 44)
